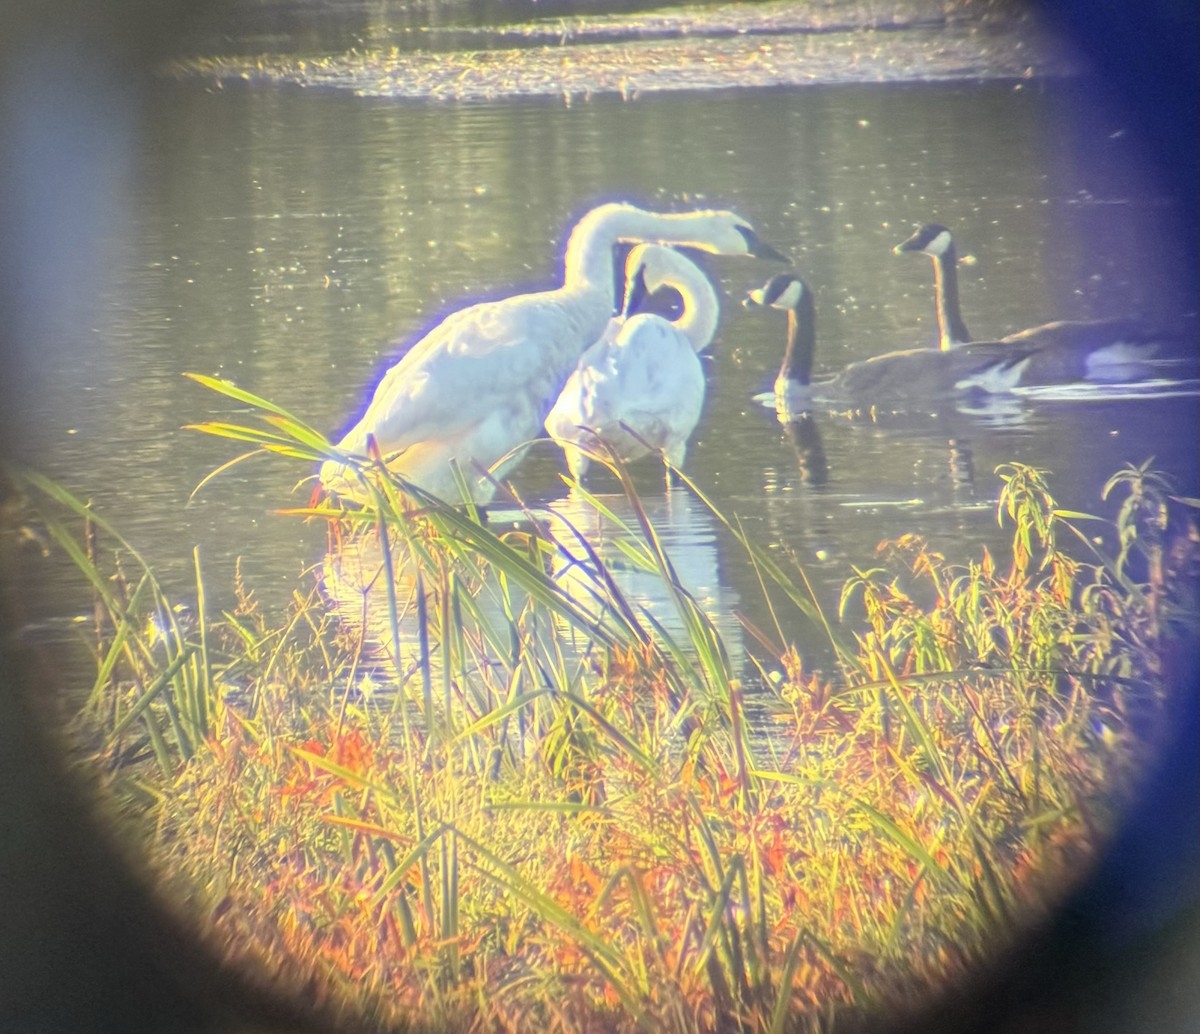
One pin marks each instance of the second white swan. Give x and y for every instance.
(641, 386)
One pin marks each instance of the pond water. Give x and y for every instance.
(295, 241)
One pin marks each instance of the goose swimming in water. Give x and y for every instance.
(641, 386)
(474, 391)
(914, 375)
(1065, 350)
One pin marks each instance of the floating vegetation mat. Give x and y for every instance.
(756, 45)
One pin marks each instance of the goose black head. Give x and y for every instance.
(930, 239)
(788, 292)
(783, 291)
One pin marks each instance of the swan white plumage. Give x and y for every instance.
(475, 390)
(1065, 350)
(919, 375)
(641, 386)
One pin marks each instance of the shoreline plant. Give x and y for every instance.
(531, 807)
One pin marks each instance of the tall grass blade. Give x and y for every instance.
(804, 600)
(604, 955)
(783, 991)
(155, 689)
(907, 842)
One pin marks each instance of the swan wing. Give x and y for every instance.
(509, 356)
(647, 367)
(574, 405)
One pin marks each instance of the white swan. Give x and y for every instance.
(641, 385)
(919, 375)
(475, 390)
(1066, 350)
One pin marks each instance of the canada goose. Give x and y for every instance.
(910, 375)
(1066, 350)
(475, 390)
(641, 385)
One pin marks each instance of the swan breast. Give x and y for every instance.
(647, 378)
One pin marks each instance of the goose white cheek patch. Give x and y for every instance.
(938, 245)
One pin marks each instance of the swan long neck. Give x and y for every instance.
(588, 260)
(801, 343)
(701, 310)
(951, 328)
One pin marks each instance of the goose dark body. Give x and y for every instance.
(914, 375)
(1063, 351)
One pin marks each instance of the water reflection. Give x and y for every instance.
(354, 582)
(687, 534)
(804, 436)
(604, 528)
(1154, 388)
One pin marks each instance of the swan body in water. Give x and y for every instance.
(474, 391)
(920, 375)
(641, 386)
(1103, 351)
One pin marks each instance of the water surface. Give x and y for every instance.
(296, 241)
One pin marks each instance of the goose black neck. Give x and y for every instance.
(951, 328)
(801, 340)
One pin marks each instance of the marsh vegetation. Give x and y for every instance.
(558, 814)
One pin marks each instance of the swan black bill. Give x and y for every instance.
(759, 248)
(635, 294)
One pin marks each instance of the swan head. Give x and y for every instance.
(717, 231)
(932, 239)
(783, 291)
(732, 235)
